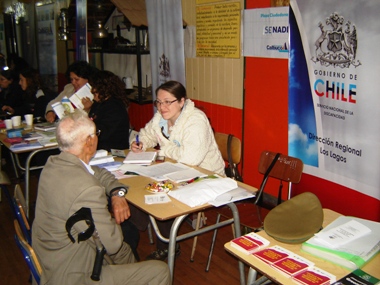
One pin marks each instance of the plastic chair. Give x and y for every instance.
(272, 165)
(19, 207)
(230, 149)
(27, 251)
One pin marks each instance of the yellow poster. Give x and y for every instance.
(218, 30)
(208, 1)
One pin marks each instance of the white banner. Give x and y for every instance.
(333, 98)
(165, 42)
(266, 32)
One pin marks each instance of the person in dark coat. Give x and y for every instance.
(110, 110)
(37, 95)
(11, 94)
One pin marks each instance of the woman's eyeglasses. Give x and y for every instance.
(164, 103)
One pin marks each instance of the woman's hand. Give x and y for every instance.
(137, 147)
(50, 116)
(87, 103)
(8, 109)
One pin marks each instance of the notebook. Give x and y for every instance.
(146, 157)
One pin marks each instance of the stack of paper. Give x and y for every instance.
(177, 172)
(48, 139)
(101, 156)
(25, 146)
(351, 244)
(145, 158)
(45, 126)
(204, 191)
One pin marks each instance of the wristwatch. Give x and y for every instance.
(119, 192)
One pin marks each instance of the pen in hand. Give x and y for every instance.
(137, 140)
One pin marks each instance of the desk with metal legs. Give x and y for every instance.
(27, 168)
(179, 212)
(257, 265)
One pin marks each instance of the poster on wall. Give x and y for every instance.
(47, 46)
(218, 30)
(334, 70)
(266, 32)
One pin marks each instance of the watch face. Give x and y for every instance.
(121, 193)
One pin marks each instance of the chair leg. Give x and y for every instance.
(199, 217)
(212, 245)
(151, 241)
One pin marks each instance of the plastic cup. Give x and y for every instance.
(29, 119)
(8, 124)
(16, 121)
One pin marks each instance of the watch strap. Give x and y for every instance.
(115, 192)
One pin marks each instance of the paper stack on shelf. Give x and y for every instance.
(352, 254)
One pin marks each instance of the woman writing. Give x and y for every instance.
(110, 110)
(184, 134)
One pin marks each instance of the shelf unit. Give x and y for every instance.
(128, 50)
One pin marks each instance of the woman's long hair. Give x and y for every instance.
(108, 85)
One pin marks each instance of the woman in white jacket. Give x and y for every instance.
(184, 134)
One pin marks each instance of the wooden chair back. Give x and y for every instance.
(286, 168)
(222, 140)
(29, 254)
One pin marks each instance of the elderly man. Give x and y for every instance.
(67, 184)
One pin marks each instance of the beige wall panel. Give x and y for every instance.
(213, 80)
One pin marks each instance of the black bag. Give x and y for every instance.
(231, 170)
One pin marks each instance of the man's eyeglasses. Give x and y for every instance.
(97, 133)
(165, 103)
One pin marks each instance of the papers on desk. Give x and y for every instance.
(176, 172)
(25, 146)
(353, 254)
(144, 158)
(46, 126)
(234, 195)
(206, 191)
(157, 198)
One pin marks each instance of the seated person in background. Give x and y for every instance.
(185, 135)
(110, 110)
(11, 94)
(37, 95)
(68, 183)
(16, 64)
(78, 74)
